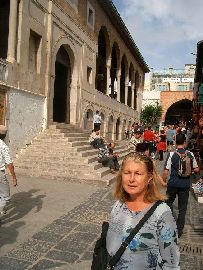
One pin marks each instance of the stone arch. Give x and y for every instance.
(168, 98)
(102, 123)
(110, 128)
(118, 123)
(115, 58)
(101, 61)
(179, 111)
(124, 73)
(70, 49)
(88, 119)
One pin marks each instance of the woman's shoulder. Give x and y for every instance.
(117, 206)
(161, 209)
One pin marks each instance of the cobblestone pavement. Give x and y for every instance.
(67, 243)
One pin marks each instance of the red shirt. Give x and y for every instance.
(149, 136)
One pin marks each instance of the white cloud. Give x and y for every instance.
(161, 24)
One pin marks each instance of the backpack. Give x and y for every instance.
(185, 165)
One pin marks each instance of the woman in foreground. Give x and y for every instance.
(155, 245)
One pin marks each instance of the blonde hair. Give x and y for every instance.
(153, 193)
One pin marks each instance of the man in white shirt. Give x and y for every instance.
(97, 121)
(5, 161)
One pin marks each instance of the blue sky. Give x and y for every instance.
(165, 31)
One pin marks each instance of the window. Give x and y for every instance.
(89, 75)
(162, 87)
(182, 87)
(34, 52)
(90, 15)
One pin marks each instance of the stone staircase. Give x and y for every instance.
(63, 152)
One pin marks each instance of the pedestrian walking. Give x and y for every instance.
(170, 137)
(149, 138)
(161, 145)
(181, 164)
(5, 162)
(97, 121)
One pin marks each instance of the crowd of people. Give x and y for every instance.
(137, 190)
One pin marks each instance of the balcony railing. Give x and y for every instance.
(3, 70)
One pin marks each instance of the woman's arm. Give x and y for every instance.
(167, 240)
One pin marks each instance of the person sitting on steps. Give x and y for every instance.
(108, 158)
(96, 140)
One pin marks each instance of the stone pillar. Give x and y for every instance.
(12, 31)
(108, 75)
(133, 95)
(126, 93)
(118, 86)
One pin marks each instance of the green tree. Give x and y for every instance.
(150, 114)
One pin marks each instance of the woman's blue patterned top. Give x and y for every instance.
(154, 246)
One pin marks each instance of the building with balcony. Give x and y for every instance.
(61, 60)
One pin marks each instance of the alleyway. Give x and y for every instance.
(53, 225)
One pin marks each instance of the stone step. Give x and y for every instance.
(79, 143)
(77, 139)
(70, 134)
(57, 173)
(63, 165)
(50, 140)
(66, 155)
(34, 159)
(63, 152)
(105, 181)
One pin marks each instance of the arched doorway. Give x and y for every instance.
(117, 128)
(114, 70)
(101, 62)
(123, 79)
(123, 130)
(4, 27)
(61, 100)
(88, 121)
(179, 111)
(110, 128)
(102, 124)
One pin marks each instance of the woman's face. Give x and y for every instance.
(135, 179)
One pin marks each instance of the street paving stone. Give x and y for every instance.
(70, 239)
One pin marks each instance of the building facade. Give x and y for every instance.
(172, 89)
(60, 61)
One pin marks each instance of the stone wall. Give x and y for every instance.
(25, 118)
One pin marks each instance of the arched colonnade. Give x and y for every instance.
(116, 75)
(112, 127)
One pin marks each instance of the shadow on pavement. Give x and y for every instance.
(20, 205)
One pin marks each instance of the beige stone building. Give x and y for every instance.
(60, 61)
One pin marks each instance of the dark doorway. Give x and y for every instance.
(4, 27)
(122, 81)
(180, 111)
(101, 70)
(61, 101)
(117, 128)
(113, 73)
